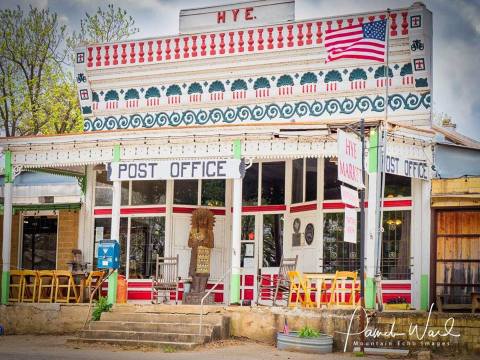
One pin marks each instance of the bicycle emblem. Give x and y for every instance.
(417, 45)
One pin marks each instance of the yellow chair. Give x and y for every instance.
(297, 286)
(30, 286)
(339, 290)
(65, 288)
(16, 284)
(46, 285)
(93, 281)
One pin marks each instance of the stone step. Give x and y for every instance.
(160, 345)
(214, 319)
(189, 328)
(168, 308)
(144, 336)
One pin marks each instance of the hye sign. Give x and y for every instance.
(349, 159)
(176, 169)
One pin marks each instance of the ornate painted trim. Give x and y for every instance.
(263, 112)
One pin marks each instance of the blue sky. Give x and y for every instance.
(456, 40)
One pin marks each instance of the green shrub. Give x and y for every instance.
(101, 306)
(307, 332)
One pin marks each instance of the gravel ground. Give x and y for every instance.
(20, 347)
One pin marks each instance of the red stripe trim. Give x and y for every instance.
(129, 211)
(189, 210)
(346, 41)
(263, 208)
(386, 203)
(396, 286)
(300, 208)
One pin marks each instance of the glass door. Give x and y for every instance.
(248, 258)
(39, 248)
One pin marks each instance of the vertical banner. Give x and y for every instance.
(350, 229)
(349, 159)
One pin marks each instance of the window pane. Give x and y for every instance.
(185, 192)
(273, 183)
(311, 180)
(103, 189)
(125, 189)
(396, 245)
(146, 192)
(104, 225)
(338, 254)
(213, 192)
(272, 239)
(332, 185)
(396, 185)
(248, 238)
(250, 186)
(39, 251)
(297, 180)
(147, 239)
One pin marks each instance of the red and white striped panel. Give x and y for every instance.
(153, 101)
(397, 288)
(111, 104)
(194, 98)
(382, 83)
(239, 94)
(216, 96)
(131, 104)
(407, 80)
(247, 287)
(357, 85)
(95, 105)
(332, 86)
(309, 88)
(174, 99)
(285, 90)
(261, 93)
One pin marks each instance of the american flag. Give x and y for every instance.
(363, 41)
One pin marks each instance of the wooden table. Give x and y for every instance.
(320, 280)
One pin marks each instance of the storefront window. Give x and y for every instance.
(331, 189)
(213, 192)
(247, 241)
(273, 183)
(297, 181)
(102, 231)
(338, 255)
(103, 189)
(147, 239)
(311, 179)
(39, 249)
(396, 245)
(272, 240)
(397, 186)
(149, 192)
(185, 192)
(250, 186)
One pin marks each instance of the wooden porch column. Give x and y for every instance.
(7, 226)
(115, 230)
(236, 230)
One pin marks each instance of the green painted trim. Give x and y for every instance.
(5, 287)
(373, 151)
(116, 153)
(235, 289)
(370, 293)
(112, 288)
(424, 298)
(237, 149)
(8, 167)
(38, 207)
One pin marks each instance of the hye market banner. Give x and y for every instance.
(176, 169)
(349, 159)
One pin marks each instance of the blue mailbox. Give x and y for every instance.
(108, 254)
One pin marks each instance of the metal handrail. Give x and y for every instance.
(206, 295)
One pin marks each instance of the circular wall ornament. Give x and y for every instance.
(309, 233)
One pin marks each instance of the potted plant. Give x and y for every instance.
(306, 340)
(397, 303)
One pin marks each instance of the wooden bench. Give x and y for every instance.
(473, 306)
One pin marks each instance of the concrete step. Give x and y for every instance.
(135, 343)
(214, 319)
(144, 336)
(189, 328)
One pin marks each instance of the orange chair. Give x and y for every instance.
(16, 284)
(340, 290)
(65, 288)
(298, 286)
(30, 286)
(46, 286)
